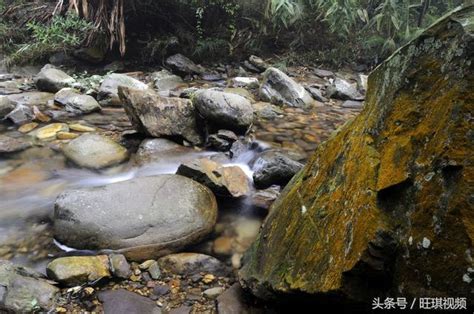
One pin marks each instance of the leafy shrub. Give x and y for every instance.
(61, 33)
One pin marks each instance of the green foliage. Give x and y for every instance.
(61, 33)
(370, 28)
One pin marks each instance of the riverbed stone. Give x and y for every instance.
(119, 266)
(165, 81)
(78, 270)
(342, 89)
(227, 181)
(247, 82)
(274, 168)
(125, 302)
(50, 131)
(23, 290)
(21, 114)
(159, 116)
(157, 150)
(12, 145)
(95, 151)
(50, 79)
(6, 106)
(75, 102)
(171, 212)
(30, 99)
(384, 206)
(108, 91)
(223, 110)
(280, 89)
(188, 264)
(182, 65)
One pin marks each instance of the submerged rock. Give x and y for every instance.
(182, 65)
(78, 270)
(383, 207)
(229, 181)
(125, 302)
(169, 213)
(161, 116)
(280, 89)
(108, 91)
(95, 151)
(12, 145)
(50, 79)
(23, 290)
(273, 167)
(224, 110)
(159, 150)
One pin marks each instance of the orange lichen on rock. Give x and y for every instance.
(383, 207)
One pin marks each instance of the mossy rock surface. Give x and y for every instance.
(383, 207)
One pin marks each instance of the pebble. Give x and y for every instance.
(213, 293)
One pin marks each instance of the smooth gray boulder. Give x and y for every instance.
(108, 91)
(50, 79)
(342, 89)
(143, 218)
(21, 114)
(23, 290)
(95, 151)
(125, 302)
(165, 81)
(280, 89)
(223, 110)
(161, 116)
(75, 102)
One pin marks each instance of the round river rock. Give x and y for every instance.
(143, 218)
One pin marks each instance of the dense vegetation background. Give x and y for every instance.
(312, 31)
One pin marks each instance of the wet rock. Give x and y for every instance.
(279, 89)
(6, 106)
(25, 128)
(362, 81)
(154, 270)
(224, 110)
(258, 63)
(228, 181)
(181, 310)
(95, 151)
(265, 110)
(40, 116)
(223, 140)
(108, 91)
(160, 290)
(342, 89)
(31, 99)
(352, 104)
(250, 67)
(23, 290)
(384, 201)
(265, 198)
(78, 270)
(50, 131)
(188, 264)
(66, 135)
(158, 150)
(182, 65)
(50, 79)
(247, 82)
(20, 115)
(316, 94)
(232, 301)
(156, 223)
(241, 92)
(212, 77)
(165, 81)
(81, 128)
(222, 246)
(273, 167)
(75, 102)
(213, 293)
(11, 145)
(161, 116)
(119, 266)
(125, 302)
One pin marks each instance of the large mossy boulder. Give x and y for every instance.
(383, 208)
